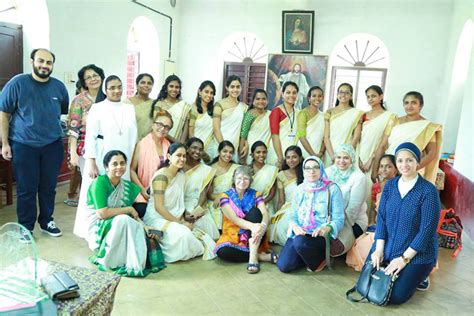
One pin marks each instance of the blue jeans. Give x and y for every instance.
(408, 279)
(302, 251)
(36, 171)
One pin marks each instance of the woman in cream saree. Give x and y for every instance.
(311, 125)
(413, 127)
(342, 124)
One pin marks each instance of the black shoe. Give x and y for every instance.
(424, 285)
(51, 229)
(26, 236)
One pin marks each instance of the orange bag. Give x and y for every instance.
(360, 250)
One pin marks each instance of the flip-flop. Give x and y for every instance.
(253, 265)
(71, 203)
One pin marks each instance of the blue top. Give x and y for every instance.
(35, 109)
(309, 210)
(410, 221)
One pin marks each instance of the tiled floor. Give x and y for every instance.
(199, 287)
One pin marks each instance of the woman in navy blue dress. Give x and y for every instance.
(406, 235)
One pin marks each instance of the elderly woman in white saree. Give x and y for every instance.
(169, 99)
(166, 211)
(199, 178)
(311, 125)
(124, 245)
(343, 123)
(255, 125)
(283, 125)
(287, 181)
(228, 115)
(200, 117)
(414, 128)
(111, 125)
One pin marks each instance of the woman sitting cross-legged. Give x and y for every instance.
(124, 243)
(317, 210)
(243, 236)
(407, 218)
(166, 209)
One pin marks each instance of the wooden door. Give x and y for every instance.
(11, 51)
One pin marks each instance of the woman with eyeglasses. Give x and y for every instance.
(316, 211)
(90, 78)
(343, 123)
(149, 155)
(169, 99)
(111, 125)
(142, 102)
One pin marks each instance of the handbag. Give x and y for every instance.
(60, 286)
(373, 285)
(449, 231)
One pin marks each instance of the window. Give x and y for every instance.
(361, 60)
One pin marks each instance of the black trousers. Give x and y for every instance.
(302, 251)
(229, 253)
(140, 207)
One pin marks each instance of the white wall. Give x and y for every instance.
(414, 32)
(84, 32)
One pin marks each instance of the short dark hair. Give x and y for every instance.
(290, 83)
(140, 77)
(108, 156)
(80, 76)
(194, 140)
(416, 95)
(33, 53)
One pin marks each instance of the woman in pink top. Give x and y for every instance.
(149, 155)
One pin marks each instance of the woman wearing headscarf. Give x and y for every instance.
(406, 236)
(317, 212)
(353, 185)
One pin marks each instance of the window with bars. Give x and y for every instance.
(360, 78)
(251, 74)
(133, 69)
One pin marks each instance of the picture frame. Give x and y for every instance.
(297, 32)
(305, 70)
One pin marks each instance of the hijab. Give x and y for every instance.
(342, 176)
(323, 181)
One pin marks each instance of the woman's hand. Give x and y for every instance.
(298, 230)
(244, 150)
(150, 235)
(133, 213)
(188, 217)
(323, 231)
(74, 159)
(93, 170)
(257, 230)
(395, 266)
(217, 202)
(145, 194)
(377, 258)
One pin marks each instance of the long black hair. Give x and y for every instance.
(255, 95)
(377, 90)
(164, 91)
(229, 81)
(254, 147)
(351, 102)
(222, 144)
(299, 167)
(80, 76)
(210, 106)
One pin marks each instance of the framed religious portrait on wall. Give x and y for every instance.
(305, 70)
(297, 32)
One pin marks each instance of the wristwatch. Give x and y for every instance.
(406, 260)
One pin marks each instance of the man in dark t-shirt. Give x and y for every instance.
(30, 109)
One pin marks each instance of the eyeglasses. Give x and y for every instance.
(94, 76)
(311, 169)
(344, 93)
(160, 125)
(242, 179)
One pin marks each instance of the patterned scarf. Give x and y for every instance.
(342, 176)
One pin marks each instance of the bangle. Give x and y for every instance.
(264, 224)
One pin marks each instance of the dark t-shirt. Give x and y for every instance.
(35, 109)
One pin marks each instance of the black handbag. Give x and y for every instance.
(60, 286)
(373, 285)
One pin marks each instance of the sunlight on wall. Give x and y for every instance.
(143, 39)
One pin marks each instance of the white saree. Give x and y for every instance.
(287, 138)
(179, 112)
(260, 130)
(314, 133)
(263, 182)
(197, 180)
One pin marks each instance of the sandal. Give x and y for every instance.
(71, 202)
(320, 268)
(274, 257)
(253, 268)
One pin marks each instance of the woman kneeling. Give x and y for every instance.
(317, 210)
(243, 236)
(123, 242)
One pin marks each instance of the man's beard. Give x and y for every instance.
(41, 75)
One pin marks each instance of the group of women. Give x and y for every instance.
(224, 179)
